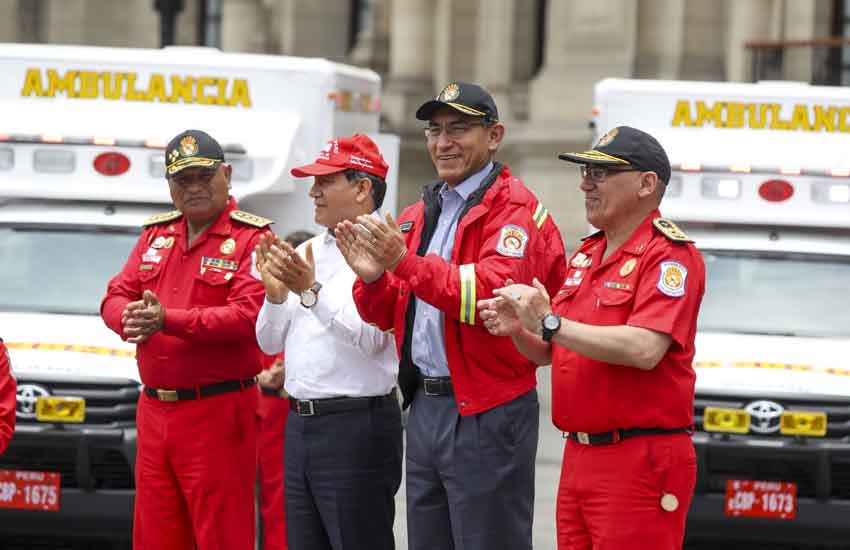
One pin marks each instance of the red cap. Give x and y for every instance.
(357, 152)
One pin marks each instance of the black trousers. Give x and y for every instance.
(342, 472)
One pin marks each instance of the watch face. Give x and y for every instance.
(308, 298)
(551, 322)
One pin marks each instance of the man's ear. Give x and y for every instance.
(495, 135)
(364, 191)
(649, 183)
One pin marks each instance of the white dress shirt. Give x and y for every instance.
(329, 350)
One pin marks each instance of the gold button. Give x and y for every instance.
(669, 502)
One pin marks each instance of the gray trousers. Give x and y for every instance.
(470, 480)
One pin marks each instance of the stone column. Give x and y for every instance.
(746, 21)
(494, 51)
(456, 27)
(586, 40)
(661, 24)
(409, 82)
(245, 26)
(314, 28)
(799, 24)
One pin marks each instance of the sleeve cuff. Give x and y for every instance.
(406, 267)
(325, 309)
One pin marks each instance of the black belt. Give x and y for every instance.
(271, 392)
(330, 405)
(436, 386)
(200, 391)
(608, 438)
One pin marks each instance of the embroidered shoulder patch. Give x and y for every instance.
(671, 279)
(250, 219)
(512, 241)
(162, 218)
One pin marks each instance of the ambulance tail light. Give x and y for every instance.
(736, 421)
(827, 192)
(111, 163)
(776, 190)
(7, 159)
(721, 188)
(53, 161)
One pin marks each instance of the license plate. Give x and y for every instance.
(24, 490)
(761, 499)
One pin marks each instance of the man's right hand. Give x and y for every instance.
(276, 290)
(356, 256)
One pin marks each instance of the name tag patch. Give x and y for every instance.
(671, 280)
(512, 241)
(405, 227)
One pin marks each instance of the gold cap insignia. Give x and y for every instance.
(607, 138)
(449, 93)
(189, 146)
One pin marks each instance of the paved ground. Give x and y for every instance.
(549, 452)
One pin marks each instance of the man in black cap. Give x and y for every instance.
(189, 297)
(620, 337)
(472, 430)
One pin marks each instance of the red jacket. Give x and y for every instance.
(211, 299)
(503, 233)
(8, 399)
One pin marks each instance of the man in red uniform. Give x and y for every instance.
(189, 296)
(620, 337)
(7, 399)
(472, 430)
(272, 411)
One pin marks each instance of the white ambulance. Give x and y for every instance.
(761, 183)
(82, 135)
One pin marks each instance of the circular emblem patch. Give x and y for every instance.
(227, 247)
(608, 138)
(671, 281)
(628, 267)
(449, 93)
(188, 146)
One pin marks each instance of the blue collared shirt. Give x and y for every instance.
(428, 344)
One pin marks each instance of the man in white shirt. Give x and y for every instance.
(343, 449)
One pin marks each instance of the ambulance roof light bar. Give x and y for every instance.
(747, 169)
(233, 148)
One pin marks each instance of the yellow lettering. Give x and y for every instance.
(203, 82)
(776, 123)
(682, 115)
(221, 97)
(825, 118)
(112, 85)
(240, 95)
(132, 93)
(61, 84)
(181, 88)
(156, 88)
(800, 118)
(735, 114)
(88, 85)
(32, 84)
(712, 115)
(843, 122)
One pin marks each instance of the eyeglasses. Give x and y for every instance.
(452, 129)
(597, 173)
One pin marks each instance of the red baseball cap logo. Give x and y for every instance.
(357, 152)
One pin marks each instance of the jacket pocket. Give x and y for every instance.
(211, 288)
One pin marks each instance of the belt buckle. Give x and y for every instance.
(583, 438)
(304, 407)
(166, 395)
(428, 382)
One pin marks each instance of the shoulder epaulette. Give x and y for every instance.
(670, 230)
(592, 235)
(162, 218)
(250, 219)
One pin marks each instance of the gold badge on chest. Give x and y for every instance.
(628, 267)
(227, 247)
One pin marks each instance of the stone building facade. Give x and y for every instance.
(540, 58)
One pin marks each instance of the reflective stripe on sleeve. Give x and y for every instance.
(467, 294)
(540, 214)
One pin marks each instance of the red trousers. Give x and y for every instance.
(272, 413)
(195, 473)
(610, 496)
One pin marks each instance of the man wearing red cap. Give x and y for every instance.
(472, 430)
(7, 399)
(343, 446)
(189, 298)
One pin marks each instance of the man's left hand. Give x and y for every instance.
(145, 319)
(297, 273)
(530, 303)
(385, 242)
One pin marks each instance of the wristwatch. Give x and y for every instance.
(551, 324)
(310, 296)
